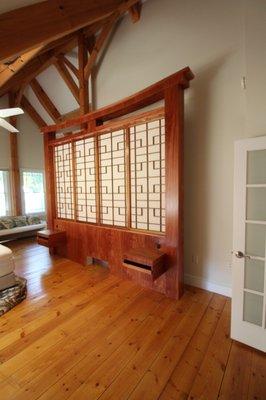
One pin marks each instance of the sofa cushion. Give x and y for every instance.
(2, 226)
(18, 229)
(20, 221)
(34, 220)
(8, 222)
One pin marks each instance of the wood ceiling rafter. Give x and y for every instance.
(135, 11)
(101, 39)
(30, 110)
(52, 50)
(12, 68)
(37, 65)
(83, 81)
(45, 100)
(67, 77)
(70, 65)
(41, 23)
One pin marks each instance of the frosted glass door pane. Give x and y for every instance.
(253, 306)
(256, 168)
(256, 204)
(254, 275)
(255, 239)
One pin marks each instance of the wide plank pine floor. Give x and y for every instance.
(83, 333)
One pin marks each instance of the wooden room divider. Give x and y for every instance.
(114, 184)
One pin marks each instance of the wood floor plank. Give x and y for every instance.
(257, 383)
(148, 335)
(182, 378)
(97, 345)
(156, 377)
(83, 333)
(207, 383)
(236, 379)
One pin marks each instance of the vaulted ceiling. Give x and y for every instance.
(34, 37)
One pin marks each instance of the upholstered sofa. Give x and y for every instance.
(21, 226)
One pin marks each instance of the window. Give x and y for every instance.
(4, 193)
(33, 192)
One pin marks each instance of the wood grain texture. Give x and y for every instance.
(84, 333)
(47, 21)
(135, 102)
(83, 82)
(170, 89)
(30, 110)
(67, 77)
(16, 204)
(45, 101)
(49, 181)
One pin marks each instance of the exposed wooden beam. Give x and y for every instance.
(70, 66)
(125, 6)
(14, 164)
(90, 42)
(135, 11)
(12, 68)
(37, 65)
(143, 98)
(65, 74)
(72, 114)
(41, 23)
(45, 100)
(99, 44)
(83, 82)
(27, 106)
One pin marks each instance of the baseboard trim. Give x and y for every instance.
(208, 285)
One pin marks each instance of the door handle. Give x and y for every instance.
(240, 254)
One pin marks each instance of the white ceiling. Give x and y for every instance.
(8, 5)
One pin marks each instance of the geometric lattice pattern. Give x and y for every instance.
(112, 178)
(85, 179)
(64, 181)
(146, 174)
(147, 163)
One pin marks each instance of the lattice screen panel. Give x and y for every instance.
(85, 180)
(64, 181)
(131, 179)
(112, 178)
(147, 156)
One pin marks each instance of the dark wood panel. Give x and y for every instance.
(110, 244)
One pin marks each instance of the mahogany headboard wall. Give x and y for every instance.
(117, 184)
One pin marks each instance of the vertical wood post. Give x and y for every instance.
(14, 164)
(49, 179)
(83, 82)
(174, 155)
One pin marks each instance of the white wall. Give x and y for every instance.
(221, 41)
(30, 147)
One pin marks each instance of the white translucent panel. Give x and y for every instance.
(256, 167)
(254, 275)
(64, 181)
(256, 204)
(112, 178)
(147, 154)
(253, 308)
(255, 239)
(85, 180)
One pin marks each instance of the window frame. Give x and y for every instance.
(9, 197)
(23, 205)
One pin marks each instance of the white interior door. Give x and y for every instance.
(249, 244)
